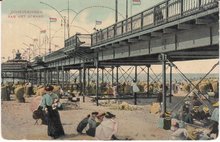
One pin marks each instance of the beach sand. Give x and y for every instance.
(17, 122)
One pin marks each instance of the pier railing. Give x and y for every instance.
(83, 40)
(162, 13)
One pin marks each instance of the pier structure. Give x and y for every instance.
(173, 30)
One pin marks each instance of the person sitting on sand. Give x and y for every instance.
(82, 125)
(92, 124)
(100, 118)
(108, 128)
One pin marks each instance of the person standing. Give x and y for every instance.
(55, 128)
(135, 90)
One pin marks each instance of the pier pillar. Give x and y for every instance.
(80, 80)
(97, 81)
(163, 58)
(135, 73)
(63, 77)
(58, 77)
(45, 77)
(88, 80)
(135, 78)
(48, 77)
(40, 77)
(103, 74)
(84, 82)
(148, 80)
(112, 75)
(117, 76)
(171, 86)
(51, 76)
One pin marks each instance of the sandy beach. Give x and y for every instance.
(17, 122)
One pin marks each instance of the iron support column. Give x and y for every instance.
(97, 81)
(117, 76)
(112, 75)
(48, 76)
(88, 81)
(103, 75)
(171, 86)
(135, 73)
(58, 77)
(51, 76)
(148, 80)
(163, 58)
(80, 80)
(45, 77)
(84, 82)
(135, 78)
(63, 77)
(40, 77)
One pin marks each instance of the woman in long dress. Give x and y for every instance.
(55, 128)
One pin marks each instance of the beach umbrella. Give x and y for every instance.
(106, 129)
(35, 103)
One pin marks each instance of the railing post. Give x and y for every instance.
(96, 38)
(142, 19)
(181, 7)
(199, 4)
(167, 10)
(91, 39)
(107, 33)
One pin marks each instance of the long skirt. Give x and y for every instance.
(55, 128)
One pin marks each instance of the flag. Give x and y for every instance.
(136, 2)
(98, 22)
(43, 31)
(53, 19)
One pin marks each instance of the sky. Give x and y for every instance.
(22, 22)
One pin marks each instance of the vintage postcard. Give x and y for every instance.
(109, 69)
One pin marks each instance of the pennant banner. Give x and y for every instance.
(136, 2)
(98, 22)
(53, 19)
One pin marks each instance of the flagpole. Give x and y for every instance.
(131, 7)
(116, 11)
(64, 24)
(68, 26)
(126, 9)
(50, 36)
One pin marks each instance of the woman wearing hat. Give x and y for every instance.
(108, 128)
(55, 128)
